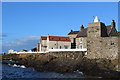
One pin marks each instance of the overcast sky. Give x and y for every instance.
(24, 22)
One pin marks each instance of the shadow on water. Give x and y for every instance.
(17, 72)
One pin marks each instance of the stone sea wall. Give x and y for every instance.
(106, 47)
(67, 62)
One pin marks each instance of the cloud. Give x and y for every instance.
(28, 42)
(3, 35)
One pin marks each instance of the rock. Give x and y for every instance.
(60, 62)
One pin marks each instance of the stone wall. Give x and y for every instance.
(94, 30)
(119, 52)
(102, 47)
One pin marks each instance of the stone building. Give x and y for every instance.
(100, 40)
(78, 38)
(72, 34)
(53, 42)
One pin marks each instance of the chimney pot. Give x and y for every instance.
(113, 23)
(81, 27)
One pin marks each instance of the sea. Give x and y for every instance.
(8, 71)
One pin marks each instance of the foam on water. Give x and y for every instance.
(15, 65)
(22, 66)
(17, 71)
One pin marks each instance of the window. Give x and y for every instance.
(60, 47)
(66, 47)
(81, 46)
(81, 39)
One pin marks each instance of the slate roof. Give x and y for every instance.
(82, 33)
(119, 33)
(34, 49)
(108, 29)
(73, 32)
(56, 38)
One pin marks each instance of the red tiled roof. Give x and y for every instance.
(59, 38)
(43, 37)
(56, 38)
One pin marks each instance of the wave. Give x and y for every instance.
(21, 66)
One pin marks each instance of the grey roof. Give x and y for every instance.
(82, 33)
(34, 49)
(118, 33)
(73, 32)
(108, 29)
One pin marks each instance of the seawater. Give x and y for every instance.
(16, 71)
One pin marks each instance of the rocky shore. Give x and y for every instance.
(67, 62)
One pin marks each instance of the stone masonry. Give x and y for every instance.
(99, 45)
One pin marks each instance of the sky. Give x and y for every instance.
(60, 0)
(24, 22)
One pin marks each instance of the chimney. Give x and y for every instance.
(48, 37)
(71, 30)
(113, 23)
(48, 42)
(81, 27)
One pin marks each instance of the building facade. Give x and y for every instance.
(99, 40)
(53, 42)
